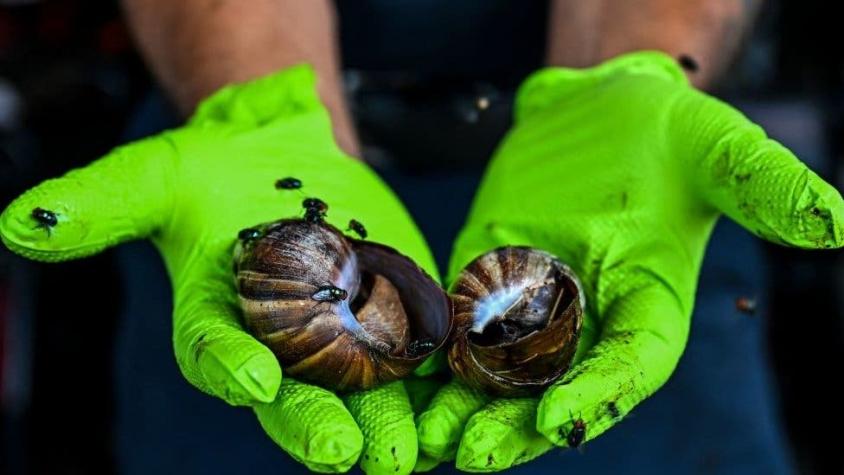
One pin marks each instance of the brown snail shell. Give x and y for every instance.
(384, 316)
(517, 318)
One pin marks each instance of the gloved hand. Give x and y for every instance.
(621, 171)
(190, 191)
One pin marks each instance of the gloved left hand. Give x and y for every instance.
(621, 171)
(190, 190)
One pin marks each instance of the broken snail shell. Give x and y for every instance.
(339, 312)
(517, 318)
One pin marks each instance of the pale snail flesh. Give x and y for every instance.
(517, 320)
(339, 312)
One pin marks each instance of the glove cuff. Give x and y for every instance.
(549, 85)
(282, 94)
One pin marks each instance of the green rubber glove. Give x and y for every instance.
(622, 171)
(190, 191)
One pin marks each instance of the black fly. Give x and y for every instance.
(420, 347)
(329, 293)
(315, 204)
(288, 183)
(315, 210)
(357, 227)
(575, 436)
(46, 219)
(249, 234)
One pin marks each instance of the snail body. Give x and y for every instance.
(343, 313)
(517, 320)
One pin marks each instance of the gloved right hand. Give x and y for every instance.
(620, 170)
(190, 191)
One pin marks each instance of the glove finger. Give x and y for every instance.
(501, 435)
(643, 337)
(120, 197)
(385, 417)
(759, 183)
(441, 425)
(421, 392)
(313, 426)
(212, 349)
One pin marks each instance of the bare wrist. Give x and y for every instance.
(195, 47)
(708, 33)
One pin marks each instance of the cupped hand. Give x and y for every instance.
(190, 190)
(621, 171)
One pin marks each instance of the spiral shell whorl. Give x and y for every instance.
(356, 342)
(517, 321)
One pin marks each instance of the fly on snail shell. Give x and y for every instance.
(339, 312)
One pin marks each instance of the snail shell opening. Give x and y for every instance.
(517, 316)
(339, 312)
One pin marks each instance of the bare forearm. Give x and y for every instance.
(583, 33)
(194, 47)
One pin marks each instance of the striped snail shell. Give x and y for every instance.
(517, 319)
(339, 312)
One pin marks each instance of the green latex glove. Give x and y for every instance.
(622, 171)
(190, 191)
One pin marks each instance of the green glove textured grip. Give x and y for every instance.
(622, 171)
(191, 190)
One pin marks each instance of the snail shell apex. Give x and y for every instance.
(517, 320)
(388, 318)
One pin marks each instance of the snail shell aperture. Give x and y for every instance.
(517, 318)
(339, 312)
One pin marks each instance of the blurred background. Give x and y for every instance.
(82, 344)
